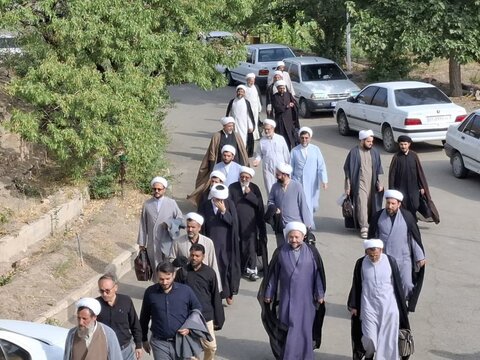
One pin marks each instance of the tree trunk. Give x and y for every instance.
(455, 77)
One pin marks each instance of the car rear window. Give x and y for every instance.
(420, 96)
(322, 72)
(276, 54)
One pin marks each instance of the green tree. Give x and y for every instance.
(422, 30)
(95, 73)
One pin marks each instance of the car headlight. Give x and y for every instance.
(319, 96)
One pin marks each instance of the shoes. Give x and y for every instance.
(229, 300)
(364, 233)
(251, 276)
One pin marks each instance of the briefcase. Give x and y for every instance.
(143, 269)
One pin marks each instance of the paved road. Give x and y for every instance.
(447, 322)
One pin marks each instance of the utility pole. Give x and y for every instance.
(349, 44)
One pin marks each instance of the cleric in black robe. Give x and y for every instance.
(354, 302)
(406, 175)
(413, 234)
(221, 225)
(285, 110)
(248, 200)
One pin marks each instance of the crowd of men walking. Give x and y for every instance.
(226, 239)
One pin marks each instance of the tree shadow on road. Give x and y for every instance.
(454, 356)
(241, 349)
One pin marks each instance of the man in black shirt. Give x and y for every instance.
(203, 281)
(167, 305)
(119, 313)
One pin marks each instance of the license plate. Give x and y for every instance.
(333, 104)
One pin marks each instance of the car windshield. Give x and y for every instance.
(322, 72)
(276, 54)
(420, 96)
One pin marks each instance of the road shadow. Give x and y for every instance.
(189, 94)
(455, 356)
(240, 349)
(203, 134)
(337, 311)
(330, 225)
(196, 157)
(134, 291)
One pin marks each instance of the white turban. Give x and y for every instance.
(218, 191)
(372, 243)
(91, 303)
(218, 174)
(241, 87)
(305, 129)
(269, 122)
(280, 63)
(227, 120)
(278, 72)
(294, 225)
(248, 170)
(229, 148)
(195, 217)
(250, 75)
(363, 134)
(160, 180)
(280, 83)
(284, 168)
(394, 194)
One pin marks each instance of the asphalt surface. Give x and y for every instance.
(446, 323)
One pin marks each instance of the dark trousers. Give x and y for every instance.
(248, 248)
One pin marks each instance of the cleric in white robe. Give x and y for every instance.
(227, 166)
(272, 150)
(309, 169)
(159, 223)
(240, 109)
(377, 305)
(253, 95)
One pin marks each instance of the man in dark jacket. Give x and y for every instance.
(203, 281)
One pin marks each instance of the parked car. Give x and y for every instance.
(261, 60)
(391, 109)
(318, 83)
(31, 341)
(462, 145)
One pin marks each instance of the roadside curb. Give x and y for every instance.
(64, 309)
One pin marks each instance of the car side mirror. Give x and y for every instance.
(351, 99)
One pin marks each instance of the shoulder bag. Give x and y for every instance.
(406, 345)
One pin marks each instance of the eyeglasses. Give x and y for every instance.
(157, 189)
(106, 291)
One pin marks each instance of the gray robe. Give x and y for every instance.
(113, 347)
(300, 287)
(397, 243)
(152, 234)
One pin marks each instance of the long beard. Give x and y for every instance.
(83, 332)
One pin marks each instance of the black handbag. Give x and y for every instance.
(347, 208)
(424, 213)
(406, 345)
(143, 269)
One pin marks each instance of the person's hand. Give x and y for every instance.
(379, 188)
(324, 186)
(267, 300)
(422, 191)
(321, 301)
(247, 189)
(347, 192)
(250, 130)
(353, 312)
(291, 105)
(278, 211)
(164, 226)
(141, 247)
(138, 353)
(421, 263)
(220, 205)
(256, 162)
(146, 347)
(183, 332)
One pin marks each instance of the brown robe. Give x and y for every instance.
(96, 351)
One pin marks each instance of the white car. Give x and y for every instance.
(261, 60)
(462, 145)
(319, 83)
(24, 340)
(391, 109)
